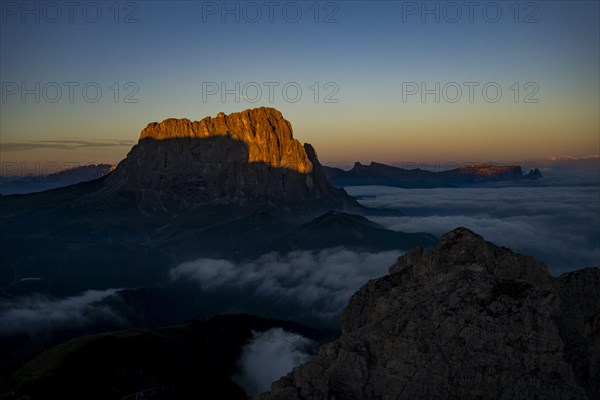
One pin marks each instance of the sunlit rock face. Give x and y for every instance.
(249, 158)
(267, 135)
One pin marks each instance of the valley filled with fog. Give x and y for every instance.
(557, 225)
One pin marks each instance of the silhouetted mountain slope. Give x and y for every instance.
(468, 320)
(382, 174)
(340, 229)
(71, 251)
(193, 360)
(127, 308)
(66, 177)
(331, 171)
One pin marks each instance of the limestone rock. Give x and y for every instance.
(246, 158)
(468, 320)
(267, 136)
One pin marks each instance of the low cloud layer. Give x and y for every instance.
(64, 144)
(269, 356)
(321, 281)
(38, 315)
(558, 225)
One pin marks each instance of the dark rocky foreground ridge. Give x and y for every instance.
(468, 320)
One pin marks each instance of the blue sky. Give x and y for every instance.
(361, 57)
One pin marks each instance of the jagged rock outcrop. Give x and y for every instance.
(245, 158)
(534, 174)
(468, 320)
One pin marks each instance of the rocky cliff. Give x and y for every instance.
(245, 158)
(468, 320)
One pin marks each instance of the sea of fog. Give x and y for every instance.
(558, 225)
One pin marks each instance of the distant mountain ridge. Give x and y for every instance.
(588, 157)
(387, 175)
(66, 177)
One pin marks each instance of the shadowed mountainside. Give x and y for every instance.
(172, 363)
(468, 320)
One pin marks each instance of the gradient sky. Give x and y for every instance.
(368, 50)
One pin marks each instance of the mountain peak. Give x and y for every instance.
(247, 157)
(461, 235)
(266, 133)
(464, 248)
(463, 321)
